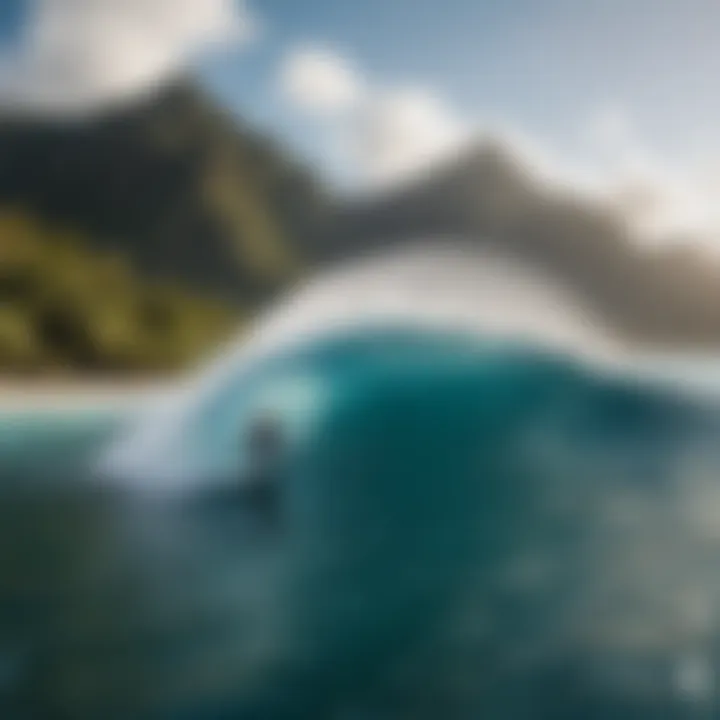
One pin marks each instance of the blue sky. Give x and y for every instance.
(12, 15)
(545, 66)
(599, 88)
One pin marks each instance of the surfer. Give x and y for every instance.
(264, 446)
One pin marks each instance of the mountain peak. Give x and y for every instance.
(144, 182)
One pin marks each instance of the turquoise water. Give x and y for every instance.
(460, 529)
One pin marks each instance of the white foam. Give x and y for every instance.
(448, 285)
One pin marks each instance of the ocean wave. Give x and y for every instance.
(554, 528)
(474, 520)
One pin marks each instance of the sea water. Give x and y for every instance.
(474, 529)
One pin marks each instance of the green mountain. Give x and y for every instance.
(66, 307)
(174, 184)
(133, 242)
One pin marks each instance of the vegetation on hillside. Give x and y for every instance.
(143, 235)
(176, 186)
(65, 307)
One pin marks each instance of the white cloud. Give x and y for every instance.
(661, 200)
(81, 55)
(320, 81)
(387, 134)
(404, 131)
(610, 131)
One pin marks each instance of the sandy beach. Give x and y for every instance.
(31, 395)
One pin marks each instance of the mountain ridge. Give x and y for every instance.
(150, 181)
(664, 295)
(181, 193)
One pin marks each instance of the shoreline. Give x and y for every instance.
(18, 395)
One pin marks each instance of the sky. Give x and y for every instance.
(619, 96)
(547, 66)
